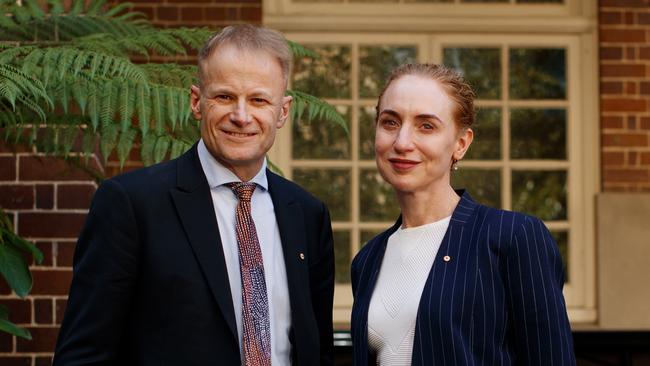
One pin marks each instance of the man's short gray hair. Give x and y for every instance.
(251, 38)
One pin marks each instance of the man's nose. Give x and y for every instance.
(240, 114)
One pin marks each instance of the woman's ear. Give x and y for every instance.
(462, 144)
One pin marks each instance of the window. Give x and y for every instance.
(534, 149)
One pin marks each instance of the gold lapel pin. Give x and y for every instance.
(302, 256)
(446, 258)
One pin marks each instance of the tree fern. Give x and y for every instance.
(71, 71)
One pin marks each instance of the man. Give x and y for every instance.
(208, 259)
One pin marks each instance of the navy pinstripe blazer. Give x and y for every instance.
(498, 301)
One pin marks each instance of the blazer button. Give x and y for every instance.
(302, 256)
(446, 258)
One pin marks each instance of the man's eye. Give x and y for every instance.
(223, 97)
(259, 100)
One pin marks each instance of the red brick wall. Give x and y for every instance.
(48, 199)
(625, 94)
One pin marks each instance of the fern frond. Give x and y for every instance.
(143, 98)
(124, 145)
(109, 134)
(301, 51)
(316, 109)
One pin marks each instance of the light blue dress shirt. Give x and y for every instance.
(225, 204)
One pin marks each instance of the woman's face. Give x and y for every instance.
(416, 137)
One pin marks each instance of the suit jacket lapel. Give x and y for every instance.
(194, 205)
(290, 219)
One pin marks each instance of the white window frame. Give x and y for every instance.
(583, 149)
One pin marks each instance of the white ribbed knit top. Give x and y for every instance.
(393, 308)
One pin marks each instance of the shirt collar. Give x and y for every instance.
(218, 175)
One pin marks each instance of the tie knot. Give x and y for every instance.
(243, 190)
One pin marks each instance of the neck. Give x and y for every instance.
(421, 208)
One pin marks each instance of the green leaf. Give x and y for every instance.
(146, 149)
(143, 106)
(34, 9)
(9, 327)
(95, 6)
(124, 145)
(56, 7)
(77, 7)
(161, 148)
(13, 268)
(108, 140)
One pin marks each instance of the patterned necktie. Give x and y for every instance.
(255, 307)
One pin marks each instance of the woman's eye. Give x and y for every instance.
(389, 123)
(428, 126)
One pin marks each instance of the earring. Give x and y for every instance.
(454, 164)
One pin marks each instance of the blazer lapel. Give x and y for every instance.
(194, 205)
(290, 219)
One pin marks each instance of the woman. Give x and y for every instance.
(453, 282)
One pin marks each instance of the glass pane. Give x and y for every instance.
(483, 185)
(562, 241)
(540, 193)
(319, 139)
(342, 256)
(325, 77)
(538, 134)
(429, 1)
(481, 67)
(537, 73)
(367, 133)
(376, 63)
(484, 1)
(373, 1)
(487, 135)
(368, 234)
(377, 198)
(330, 185)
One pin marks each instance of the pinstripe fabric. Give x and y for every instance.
(256, 341)
(498, 301)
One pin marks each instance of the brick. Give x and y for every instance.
(4, 287)
(40, 168)
(48, 282)
(622, 35)
(50, 224)
(43, 361)
(45, 196)
(611, 53)
(48, 253)
(626, 175)
(167, 13)
(636, 70)
(610, 17)
(624, 3)
(6, 146)
(15, 360)
(630, 87)
(147, 11)
(65, 253)
(6, 343)
(645, 87)
(60, 305)
(20, 310)
(643, 18)
(645, 123)
(623, 105)
(613, 158)
(43, 340)
(645, 158)
(625, 139)
(74, 195)
(611, 87)
(644, 53)
(15, 197)
(215, 13)
(192, 13)
(251, 14)
(629, 17)
(632, 158)
(612, 122)
(43, 311)
(631, 123)
(630, 53)
(7, 168)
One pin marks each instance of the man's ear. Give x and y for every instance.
(195, 100)
(462, 144)
(285, 110)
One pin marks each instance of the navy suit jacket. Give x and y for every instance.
(497, 301)
(150, 284)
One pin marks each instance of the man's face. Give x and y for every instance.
(241, 104)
